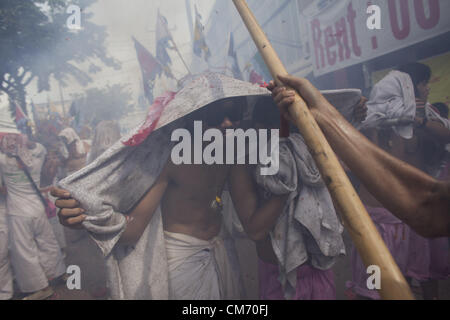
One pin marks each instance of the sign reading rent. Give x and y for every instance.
(339, 36)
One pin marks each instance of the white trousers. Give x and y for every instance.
(35, 254)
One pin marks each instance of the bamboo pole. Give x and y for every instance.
(355, 218)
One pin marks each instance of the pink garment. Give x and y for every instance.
(396, 236)
(418, 258)
(427, 258)
(312, 284)
(439, 258)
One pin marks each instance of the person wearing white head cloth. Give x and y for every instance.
(76, 150)
(402, 122)
(7, 125)
(34, 251)
(173, 245)
(159, 224)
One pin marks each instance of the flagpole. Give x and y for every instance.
(181, 57)
(228, 52)
(62, 98)
(176, 49)
(362, 230)
(189, 18)
(166, 28)
(48, 105)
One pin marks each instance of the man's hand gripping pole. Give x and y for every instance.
(363, 232)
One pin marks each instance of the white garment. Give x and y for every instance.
(200, 269)
(392, 98)
(133, 164)
(7, 123)
(70, 135)
(35, 253)
(6, 287)
(22, 199)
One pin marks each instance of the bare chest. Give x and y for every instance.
(200, 181)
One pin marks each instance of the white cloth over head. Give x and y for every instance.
(392, 98)
(114, 183)
(71, 136)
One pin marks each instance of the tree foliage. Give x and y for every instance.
(36, 44)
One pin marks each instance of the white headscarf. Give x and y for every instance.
(70, 135)
(14, 144)
(392, 98)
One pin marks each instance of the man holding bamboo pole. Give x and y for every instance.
(414, 197)
(363, 232)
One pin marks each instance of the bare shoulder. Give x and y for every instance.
(168, 171)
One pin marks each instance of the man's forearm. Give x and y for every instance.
(414, 197)
(401, 188)
(438, 131)
(257, 219)
(265, 217)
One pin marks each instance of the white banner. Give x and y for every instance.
(339, 36)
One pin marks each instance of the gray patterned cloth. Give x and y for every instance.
(113, 184)
(308, 230)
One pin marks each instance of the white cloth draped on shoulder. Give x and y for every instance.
(308, 230)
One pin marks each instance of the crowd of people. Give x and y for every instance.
(169, 222)
(33, 242)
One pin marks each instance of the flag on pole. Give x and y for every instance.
(200, 45)
(232, 59)
(150, 68)
(163, 37)
(22, 121)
